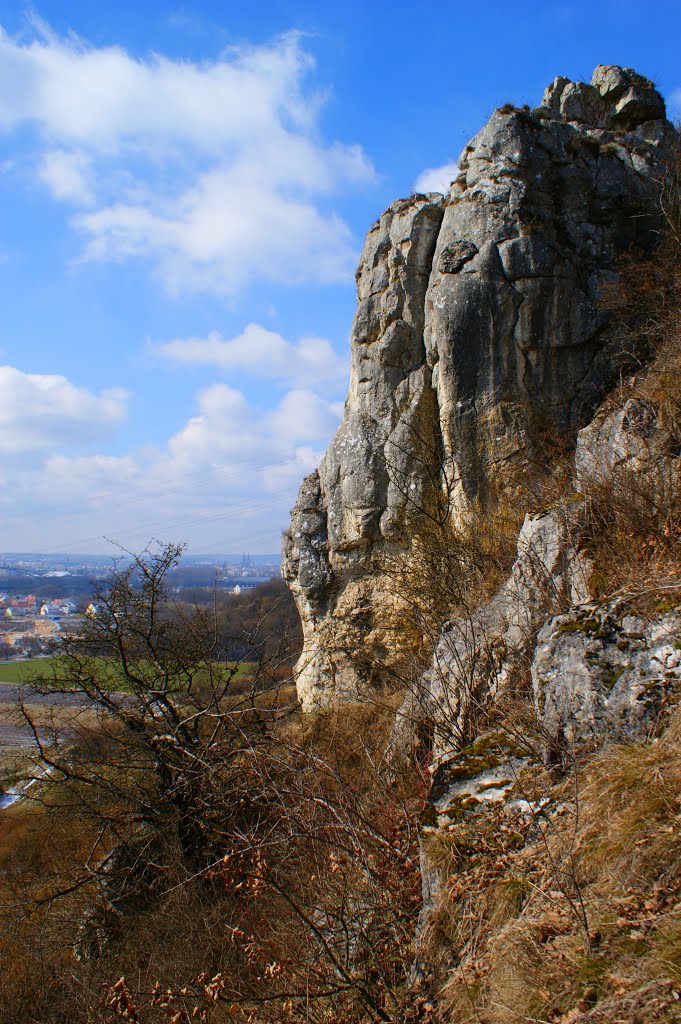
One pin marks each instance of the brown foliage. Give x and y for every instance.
(302, 907)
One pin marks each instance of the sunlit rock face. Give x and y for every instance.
(479, 326)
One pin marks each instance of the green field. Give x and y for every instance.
(17, 671)
(22, 671)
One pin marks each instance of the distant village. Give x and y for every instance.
(29, 625)
(61, 593)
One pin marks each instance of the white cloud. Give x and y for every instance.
(228, 474)
(228, 432)
(68, 176)
(104, 99)
(303, 416)
(93, 479)
(308, 362)
(215, 171)
(43, 411)
(226, 231)
(436, 179)
(224, 428)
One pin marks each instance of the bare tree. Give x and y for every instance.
(172, 727)
(288, 861)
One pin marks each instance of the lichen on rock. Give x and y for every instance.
(602, 674)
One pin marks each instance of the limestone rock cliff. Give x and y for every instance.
(479, 327)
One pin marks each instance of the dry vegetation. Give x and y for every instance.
(633, 517)
(201, 852)
(451, 569)
(569, 911)
(303, 908)
(566, 906)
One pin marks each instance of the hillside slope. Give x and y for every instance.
(517, 370)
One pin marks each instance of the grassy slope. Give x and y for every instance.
(573, 915)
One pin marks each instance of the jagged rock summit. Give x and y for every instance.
(479, 328)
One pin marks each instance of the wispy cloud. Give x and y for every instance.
(215, 171)
(310, 362)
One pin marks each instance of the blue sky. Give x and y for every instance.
(185, 190)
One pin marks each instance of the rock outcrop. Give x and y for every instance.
(557, 674)
(484, 652)
(602, 673)
(478, 329)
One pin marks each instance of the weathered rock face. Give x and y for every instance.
(477, 328)
(602, 673)
(357, 495)
(629, 442)
(482, 653)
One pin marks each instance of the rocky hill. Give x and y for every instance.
(516, 366)
(474, 817)
(479, 328)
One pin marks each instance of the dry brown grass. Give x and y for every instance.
(452, 567)
(580, 918)
(339, 835)
(632, 517)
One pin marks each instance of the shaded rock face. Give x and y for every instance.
(478, 327)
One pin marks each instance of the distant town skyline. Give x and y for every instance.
(185, 192)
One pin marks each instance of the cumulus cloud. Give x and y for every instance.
(228, 432)
(227, 476)
(436, 179)
(44, 411)
(215, 171)
(104, 99)
(303, 416)
(308, 362)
